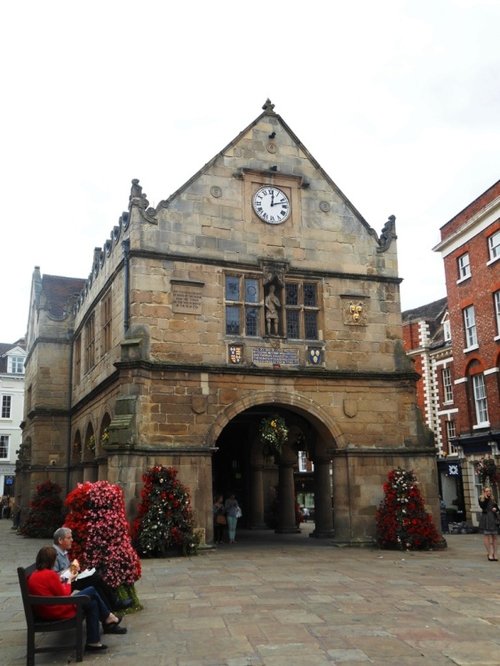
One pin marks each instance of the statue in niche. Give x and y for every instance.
(272, 304)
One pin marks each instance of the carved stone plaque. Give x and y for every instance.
(186, 298)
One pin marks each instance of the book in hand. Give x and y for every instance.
(66, 574)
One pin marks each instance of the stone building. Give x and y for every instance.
(255, 290)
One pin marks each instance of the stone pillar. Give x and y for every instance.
(323, 528)
(90, 473)
(342, 500)
(257, 499)
(286, 495)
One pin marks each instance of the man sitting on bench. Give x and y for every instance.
(63, 539)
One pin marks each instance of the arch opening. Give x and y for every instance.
(273, 489)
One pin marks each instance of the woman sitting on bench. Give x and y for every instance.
(46, 582)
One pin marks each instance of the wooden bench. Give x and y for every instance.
(36, 625)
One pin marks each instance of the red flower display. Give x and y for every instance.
(101, 537)
(45, 514)
(402, 521)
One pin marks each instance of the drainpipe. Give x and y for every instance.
(126, 260)
(70, 399)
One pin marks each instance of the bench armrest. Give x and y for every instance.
(76, 600)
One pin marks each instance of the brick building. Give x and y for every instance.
(256, 289)
(470, 247)
(427, 341)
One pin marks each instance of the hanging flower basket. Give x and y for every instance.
(486, 470)
(273, 435)
(91, 444)
(105, 436)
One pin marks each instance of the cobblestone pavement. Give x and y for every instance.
(290, 600)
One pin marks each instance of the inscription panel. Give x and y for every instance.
(266, 356)
(185, 299)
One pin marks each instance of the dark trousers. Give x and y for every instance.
(107, 594)
(218, 533)
(95, 611)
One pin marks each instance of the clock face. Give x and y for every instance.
(271, 204)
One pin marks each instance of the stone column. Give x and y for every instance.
(257, 498)
(342, 499)
(256, 509)
(323, 528)
(286, 495)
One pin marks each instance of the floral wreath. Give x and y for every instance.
(273, 435)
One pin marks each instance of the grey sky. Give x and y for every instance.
(399, 102)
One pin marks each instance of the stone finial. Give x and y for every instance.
(139, 199)
(136, 189)
(137, 196)
(268, 106)
(388, 234)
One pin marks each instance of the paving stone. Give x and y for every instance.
(287, 600)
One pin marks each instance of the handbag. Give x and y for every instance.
(220, 519)
(239, 513)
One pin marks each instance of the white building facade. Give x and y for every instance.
(12, 358)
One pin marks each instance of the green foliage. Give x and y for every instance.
(402, 521)
(164, 523)
(273, 435)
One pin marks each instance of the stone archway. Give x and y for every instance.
(240, 466)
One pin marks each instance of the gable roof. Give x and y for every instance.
(268, 110)
(429, 311)
(60, 293)
(6, 347)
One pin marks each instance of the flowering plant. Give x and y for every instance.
(273, 435)
(486, 470)
(402, 521)
(165, 517)
(101, 536)
(91, 443)
(45, 514)
(105, 436)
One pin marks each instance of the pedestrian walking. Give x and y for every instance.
(488, 523)
(220, 521)
(233, 512)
